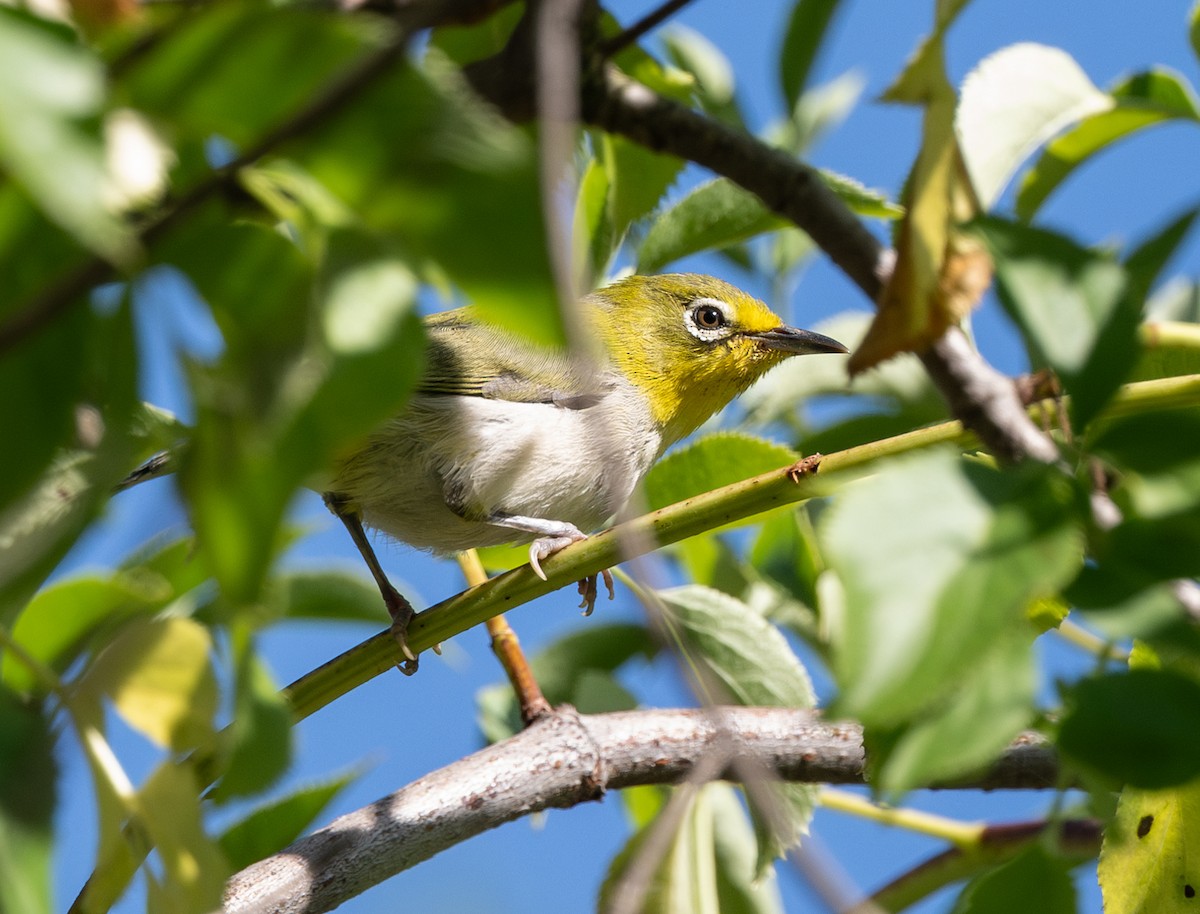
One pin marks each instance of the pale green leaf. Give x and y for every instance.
(1013, 102)
(1140, 101)
(53, 91)
(1147, 863)
(916, 544)
(711, 70)
(158, 675)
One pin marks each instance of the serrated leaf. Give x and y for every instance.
(273, 826)
(1014, 101)
(1136, 727)
(1147, 862)
(1033, 882)
(913, 545)
(158, 675)
(806, 30)
(710, 462)
(1073, 307)
(744, 658)
(1145, 99)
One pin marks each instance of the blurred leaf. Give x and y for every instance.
(272, 827)
(713, 74)
(34, 251)
(1151, 442)
(194, 870)
(1144, 99)
(739, 656)
(576, 669)
(50, 140)
(711, 462)
(720, 213)
(817, 111)
(1136, 728)
(1178, 299)
(1033, 882)
(259, 740)
(939, 274)
(1146, 262)
(1147, 863)
(1072, 306)
(707, 867)
(216, 71)
(28, 772)
(807, 29)
(1194, 30)
(967, 730)
(461, 189)
(1012, 103)
(331, 594)
(917, 542)
(786, 549)
(466, 44)
(158, 675)
(54, 627)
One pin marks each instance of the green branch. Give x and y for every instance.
(640, 535)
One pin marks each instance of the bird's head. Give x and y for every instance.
(692, 343)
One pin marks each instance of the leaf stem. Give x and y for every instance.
(963, 835)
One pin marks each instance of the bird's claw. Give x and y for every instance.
(545, 546)
(589, 591)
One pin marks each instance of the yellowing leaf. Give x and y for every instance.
(157, 674)
(939, 275)
(1150, 862)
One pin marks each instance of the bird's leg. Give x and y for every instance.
(553, 536)
(398, 607)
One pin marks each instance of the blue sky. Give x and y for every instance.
(405, 727)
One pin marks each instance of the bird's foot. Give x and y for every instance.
(588, 590)
(402, 614)
(545, 546)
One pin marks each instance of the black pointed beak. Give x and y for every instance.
(797, 342)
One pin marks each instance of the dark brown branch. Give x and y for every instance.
(635, 32)
(560, 761)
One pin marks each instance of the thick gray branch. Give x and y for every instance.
(560, 761)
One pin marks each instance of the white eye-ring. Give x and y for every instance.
(707, 319)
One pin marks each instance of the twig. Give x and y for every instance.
(561, 761)
(624, 39)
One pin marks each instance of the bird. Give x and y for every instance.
(504, 442)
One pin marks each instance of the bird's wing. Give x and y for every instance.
(499, 365)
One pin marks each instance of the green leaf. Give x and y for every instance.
(707, 868)
(1142, 100)
(1012, 103)
(1073, 307)
(712, 73)
(1033, 882)
(158, 675)
(916, 543)
(710, 462)
(1146, 262)
(193, 868)
(578, 669)
(739, 656)
(331, 594)
(1194, 29)
(465, 44)
(28, 772)
(259, 746)
(1136, 728)
(50, 142)
(275, 825)
(807, 29)
(1147, 863)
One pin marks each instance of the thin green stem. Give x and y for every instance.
(963, 835)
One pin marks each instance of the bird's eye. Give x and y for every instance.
(709, 317)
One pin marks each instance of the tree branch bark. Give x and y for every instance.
(560, 761)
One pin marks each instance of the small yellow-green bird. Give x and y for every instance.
(507, 443)
(504, 442)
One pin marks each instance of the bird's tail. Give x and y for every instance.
(161, 464)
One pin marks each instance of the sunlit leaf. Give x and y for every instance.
(713, 74)
(158, 675)
(1147, 863)
(945, 535)
(709, 463)
(1142, 100)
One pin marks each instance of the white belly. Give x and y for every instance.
(488, 457)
